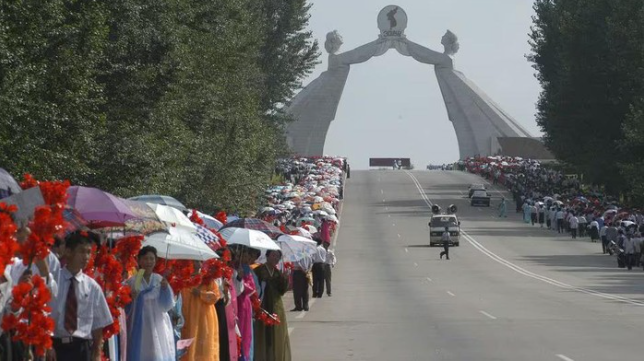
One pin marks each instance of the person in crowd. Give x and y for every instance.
(244, 275)
(534, 214)
(612, 234)
(628, 245)
(573, 222)
(446, 239)
(226, 309)
(329, 263)
(272, 342)
(301, 283)
(526, 212)
(542, 215)
(319, 258)
(604, 238)
(79, 308)
(325, 230)
(149, 328)
(503, 212)
(593, 231)
(178, 321)
(201, 321)
(560, 220)
(583, 225)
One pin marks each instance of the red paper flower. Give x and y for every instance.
(261, 314)
(221, 217)
(127, 248)
(8, 243)
(32, 325)
(179, 273)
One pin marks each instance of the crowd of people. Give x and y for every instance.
(562, 203)
(92, 294)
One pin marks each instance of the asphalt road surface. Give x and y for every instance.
(511, 291)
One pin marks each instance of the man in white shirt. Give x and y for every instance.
(79, 310)
(560, 218)
(301, 283)
(319, 258)
(629, 251)
(328, 265)
(573, 221)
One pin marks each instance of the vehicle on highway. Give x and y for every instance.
(437, 225)
(480, 199)
(475, 187)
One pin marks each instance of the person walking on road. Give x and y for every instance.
(574, 225)
(446, 240)
(503, 212)
(319, 258)
(328, 266)
(628, 244)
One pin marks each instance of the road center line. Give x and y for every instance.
(523, 271)
(429, 279)
(487, 315)
(399, 236)
(382, 192)
(406, 250)
(303, 313)
(290, 329)
(564, 357)
(451, 294)
(415, 264)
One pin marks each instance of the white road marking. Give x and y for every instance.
(398, 236)
(290, 329)
(394, 224)
(564, 357)
(451, 294)
(386, 208)
(382, 192)
(383, 201)
(523, 271)
(389, 215)
(406, 250)
(415, 264)
(487, 315)
(429, 279)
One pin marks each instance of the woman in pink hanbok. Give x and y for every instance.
(244, 274)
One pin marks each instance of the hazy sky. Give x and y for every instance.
(392, 105)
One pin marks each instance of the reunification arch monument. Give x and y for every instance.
(482, 127)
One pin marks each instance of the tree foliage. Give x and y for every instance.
(589, 60)
(176, 97)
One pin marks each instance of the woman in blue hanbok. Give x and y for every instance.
(149, 329)
(527, 212)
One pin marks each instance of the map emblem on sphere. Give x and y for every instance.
(392, 21)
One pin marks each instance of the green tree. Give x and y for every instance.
(49, 96)
(586, 60)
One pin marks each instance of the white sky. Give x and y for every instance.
(392, 106)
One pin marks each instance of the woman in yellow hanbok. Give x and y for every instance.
(201, 321)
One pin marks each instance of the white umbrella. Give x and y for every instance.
(321, 213)
(210, 222)
(304, 233)
(333, 219)
(179, 244)
(249, 238)
(172, 216)
(295, 248)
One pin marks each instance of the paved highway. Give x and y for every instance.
(510, 291)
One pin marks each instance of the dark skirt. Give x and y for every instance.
(542, 217)
(594, 233)
(224, 349)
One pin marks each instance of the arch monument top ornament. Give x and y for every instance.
(392, 21)
(478, 121)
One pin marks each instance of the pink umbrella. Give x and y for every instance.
(100, 209)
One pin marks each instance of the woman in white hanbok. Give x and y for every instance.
(149, 328)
